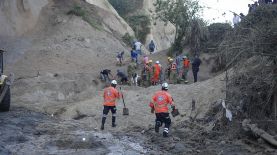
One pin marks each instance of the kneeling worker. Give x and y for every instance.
(110, 96)
(159, 104)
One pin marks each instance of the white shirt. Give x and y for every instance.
(138, 45)
(236, 20)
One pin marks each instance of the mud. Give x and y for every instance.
(23, 131)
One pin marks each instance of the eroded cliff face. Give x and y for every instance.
(115, 22)
(19, 16)
(163, 35)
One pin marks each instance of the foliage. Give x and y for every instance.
(77, 11)
(139, 22)
(125, 7)
(141, 25)
(197, 34)
(127, 39)
(180, 13)
(82, 12)
(250, 49)
(216, 33)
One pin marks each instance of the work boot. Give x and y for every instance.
(113, 121)
(165, 134)
(157, 129)
(103, 122)
(157, 126)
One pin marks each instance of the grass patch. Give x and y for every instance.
(84, 14)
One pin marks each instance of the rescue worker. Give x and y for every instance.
(156, 73)
(149, 72)
(104, 74)
(167, 71)
(122, 77)
(110, 96)
(179, 65)
(161, 75)
(195, 67)
(186, 64)
(145, 59)
(159, 104)
(131, 69)
(146, 73)
(173, 72)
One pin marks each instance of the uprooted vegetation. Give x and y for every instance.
(248, 55)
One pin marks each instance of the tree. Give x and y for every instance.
(180, 13)
(197, 34)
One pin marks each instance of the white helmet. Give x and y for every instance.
(114, 82)
(184, 57)
(157, 62)
(165, 86)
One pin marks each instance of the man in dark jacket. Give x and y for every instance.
(123, 77)
(104, 74)
(195, 67)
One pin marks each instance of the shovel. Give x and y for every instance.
(125, 110)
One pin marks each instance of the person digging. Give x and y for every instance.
(159, 104)
(111, 94)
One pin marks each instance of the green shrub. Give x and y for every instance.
(125, 7)
(77, 11)
(127, 39)
(141, 25)
(80, 12)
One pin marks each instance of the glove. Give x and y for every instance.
(152, 110)
(173, 107)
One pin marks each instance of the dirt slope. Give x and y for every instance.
(19, 16)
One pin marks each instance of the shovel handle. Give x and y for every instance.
(122, 98)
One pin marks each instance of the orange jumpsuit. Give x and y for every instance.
(156, 73)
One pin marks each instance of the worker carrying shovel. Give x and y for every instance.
(111, 94)
(159, 104)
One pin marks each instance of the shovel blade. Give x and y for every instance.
(125, 111)
(175, 112)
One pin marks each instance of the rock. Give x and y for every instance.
(207, 142)
(198, 151)
(260, 141)
(176, 139)
(178, 148)
(222, 142)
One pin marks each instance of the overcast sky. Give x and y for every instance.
(216, 9)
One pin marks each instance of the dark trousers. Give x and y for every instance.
(106, 111)
(195, 72)
(162, 118)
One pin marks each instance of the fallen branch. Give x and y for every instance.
(259, 132)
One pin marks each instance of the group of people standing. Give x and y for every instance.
(176, 70)
(253, 7)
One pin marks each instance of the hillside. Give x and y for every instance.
(56, 50)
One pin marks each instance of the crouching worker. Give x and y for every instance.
(110, 96)
(159, 104)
